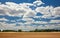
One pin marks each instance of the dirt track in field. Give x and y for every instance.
(29, 34)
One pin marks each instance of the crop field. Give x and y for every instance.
(29, 34)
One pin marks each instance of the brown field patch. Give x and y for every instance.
(29, 34)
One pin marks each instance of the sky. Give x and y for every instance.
(29, 14)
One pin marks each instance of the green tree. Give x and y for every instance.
(9, 31)
(19, 30)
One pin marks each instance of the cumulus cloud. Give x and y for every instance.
(3, 19)
(14, 9)
(40, 22)
(48, 11)
(49, 27)
(55, 21)
(23, 10)
(38, 3)
(6, 26)
(56, 11)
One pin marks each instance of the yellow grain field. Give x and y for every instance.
(29, 34)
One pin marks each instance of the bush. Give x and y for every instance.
(9, 31)
(19, 30)
(0, 30)
(45, 30)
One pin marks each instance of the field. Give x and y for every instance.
(29, 34)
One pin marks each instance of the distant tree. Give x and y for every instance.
(9, 31)
(36, 30)
(0, 30)
(19, 30)
(45, 30)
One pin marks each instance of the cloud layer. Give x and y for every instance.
(21, 16)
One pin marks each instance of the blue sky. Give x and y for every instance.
(18, 1)
(47, 2)
(29, 14)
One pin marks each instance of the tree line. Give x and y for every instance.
(36, 30)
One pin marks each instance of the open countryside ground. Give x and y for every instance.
(29, 34)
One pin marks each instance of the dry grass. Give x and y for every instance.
(29, 34)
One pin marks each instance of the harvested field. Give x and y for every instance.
(29, 34)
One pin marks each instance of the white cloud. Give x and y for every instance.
(44, 10)
(26, 4)
(38, 3)
(55, 21)
(5, 26)
(40, 22)
(28, 19)
(13, 9)
(48, 26)
(27, 27)
(48, 11)
(31, 27)
(46, 16)
(56, 11)
(3, 19)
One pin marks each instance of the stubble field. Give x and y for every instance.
(29, 34)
